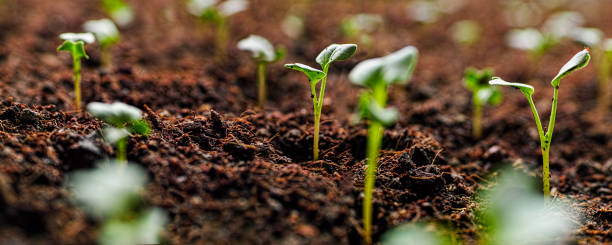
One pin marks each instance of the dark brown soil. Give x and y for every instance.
(228, 173)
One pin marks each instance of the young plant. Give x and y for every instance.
(107, 35)
(112, 194)
(263, 54)
(124, 120)
(603, 98)
(119, 10)
(510, 212)
(334, 52)
(74, 43)
(218, 14)
(359, 27)
(482, 94)
(580, 60)
(377, 75)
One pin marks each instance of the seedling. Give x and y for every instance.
(120, 11)
(123, 119)
(107, 35)
(482, 94)
(218, 14)
(580, 60)
(112, 193)
(334, 52)
(466, 32)
(360, 26)
(75, 44)
(263, 54)
(604, 78)
(508, 213)
(531, 40)
(376, 75)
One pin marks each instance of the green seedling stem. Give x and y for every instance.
(334, 52)
(75, 44)
(261, 82)
(376, 75)
(375, 135)
(579, 61)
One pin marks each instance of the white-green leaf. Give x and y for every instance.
(106, 190)
(313, 74)
(335, 52)
(112, 134)
(580, 60)
(261, 48)
(75, 37)
(197, 7)
(393, 68)
(386, 116)
(367, 73)
(525, 89)
(400, 65)
(116, 114)
(104, 29)
(527, 39)
(231, 7)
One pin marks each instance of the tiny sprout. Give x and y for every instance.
(263, 53)
(107, 35)
(603, 97)
(112, 193)
(466, 32)
(124, 120)
(293, 26)
(580, 60)
(334, 52)
(217, 13)
(532, 40)
(120, 11)
(360, 26)
(376, 75)
(482, 94)
(74, 43)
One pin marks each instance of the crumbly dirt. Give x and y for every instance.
(229, 173)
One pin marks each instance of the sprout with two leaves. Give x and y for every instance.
(482, 94)
(580, 60)
(263, 53)
(119, 10)
(107, 35)
(217, 13)
(377, 75)
(124, 120)
(112, 193)
(334, 52)
(74, 43)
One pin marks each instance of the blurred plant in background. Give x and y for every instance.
(511, 212)
(119, 11)
(217, 13)
(113, 194)
(430, 11)
(107, 35)
(466, 32)
(359, 27)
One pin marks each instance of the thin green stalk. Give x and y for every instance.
(477, 119)
(261, 78)
(375, 134)
(317, 117)
(318, 107)
(545, 145)
(221, 40)
(603, 99)
(105, 57)
(77, 83)
(122, 150)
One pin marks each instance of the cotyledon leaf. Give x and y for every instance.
(313, 74)
(335, 52)
(525, 89)
(580, 60)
